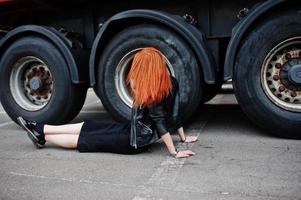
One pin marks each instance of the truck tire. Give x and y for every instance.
(267, 76)
(35, 83)
(115, 63)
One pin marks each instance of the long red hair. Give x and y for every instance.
(150, 77)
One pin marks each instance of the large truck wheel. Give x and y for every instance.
(116, 60)
(35, 83)
(267, 79)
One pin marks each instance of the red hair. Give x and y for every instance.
(150, 77)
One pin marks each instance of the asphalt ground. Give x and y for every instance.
(234, 160)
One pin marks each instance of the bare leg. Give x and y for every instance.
(73, 129)
(63, 140)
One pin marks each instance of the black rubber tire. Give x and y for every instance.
(171, 45)
(67, 98)
(247, 79)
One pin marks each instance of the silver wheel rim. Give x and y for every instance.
(31, 83)
(275, 78)
(121, 72)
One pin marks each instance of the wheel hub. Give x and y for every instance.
(289, 71)
(35, 84)
(281, 75)
(295, 75)
(31, 83)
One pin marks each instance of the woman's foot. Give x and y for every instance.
(35, 136)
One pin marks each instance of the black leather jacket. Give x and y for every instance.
(164, 117)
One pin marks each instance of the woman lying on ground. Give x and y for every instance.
(153, 89)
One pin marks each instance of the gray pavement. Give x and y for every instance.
(234, 160)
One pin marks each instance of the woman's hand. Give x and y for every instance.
(191, 139)
(184, 154)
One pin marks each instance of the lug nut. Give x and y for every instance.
(293, 94)
(288, 56)
(276, 77)
(281, 88)
(278, 65)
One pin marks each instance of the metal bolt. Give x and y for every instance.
(276, 77)
(281, 88)
(293, 94)
(278, 65)
(288, 56)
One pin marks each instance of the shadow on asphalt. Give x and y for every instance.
(226, 118)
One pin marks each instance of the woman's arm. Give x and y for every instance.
(184, 138)
(158, 116)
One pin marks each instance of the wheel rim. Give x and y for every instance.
(121, 72)
(31, 83)
(281, 75)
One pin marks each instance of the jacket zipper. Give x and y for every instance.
(135, 140)
(145, 126)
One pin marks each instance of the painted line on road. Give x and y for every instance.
(72, 180)
(167, 173)
(6, 124)
(87, 181)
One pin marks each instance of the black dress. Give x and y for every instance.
(106, 137)
(115, 137)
